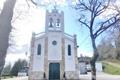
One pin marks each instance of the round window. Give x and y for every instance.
(54, 42)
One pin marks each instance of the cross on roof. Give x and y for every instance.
(55, 6)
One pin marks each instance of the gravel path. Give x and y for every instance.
(114, 64)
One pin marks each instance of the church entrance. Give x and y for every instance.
(54, 71)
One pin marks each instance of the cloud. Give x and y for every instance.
(84, 53)
(1, 4)
(12, 58)
(111, 9)
(29, 20)
(18, 49)
(60, 3)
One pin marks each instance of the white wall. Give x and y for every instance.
(98, 66)
(69, 60)
(54, 51)
(38, 60)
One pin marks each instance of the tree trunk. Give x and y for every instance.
(5, 28)
(95, 56)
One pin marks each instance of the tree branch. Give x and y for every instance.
(33, 2)
(84, 23)
(109, 23)
(102, 9)
(82, 6)
(27, 3)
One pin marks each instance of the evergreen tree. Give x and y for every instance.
(6, 70)
(20, 64)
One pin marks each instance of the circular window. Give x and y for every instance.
(54, 42)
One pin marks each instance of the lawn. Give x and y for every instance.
(6, 77)
(111, 69)
(17, 78)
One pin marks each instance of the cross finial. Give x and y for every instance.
(55, 5)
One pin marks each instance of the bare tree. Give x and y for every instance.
(106, 49)
(116, 38)
(91, 11)
(6, 19)
(5, 28)
(34, 2)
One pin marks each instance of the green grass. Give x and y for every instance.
(6, 76)
(110, 69)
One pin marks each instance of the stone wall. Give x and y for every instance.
(36, 75)
(72, 75)
(46, 57)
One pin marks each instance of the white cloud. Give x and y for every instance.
(12, 58)
(84, 53)
(59, 3)
(111, 9)
(29, 20)
(2, 3)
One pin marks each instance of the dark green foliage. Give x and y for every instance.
(20, 64)
(6, 70)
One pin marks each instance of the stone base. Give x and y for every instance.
(36, 75)
(72, 75)
(69, 75)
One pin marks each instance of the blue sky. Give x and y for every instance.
(37, 24)
(72, 26)
(33, 19)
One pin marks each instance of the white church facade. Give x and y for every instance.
(53, 53)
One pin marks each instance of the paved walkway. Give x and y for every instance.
(100, 76)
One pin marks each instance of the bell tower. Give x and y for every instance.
(54, 53)
(54, 21)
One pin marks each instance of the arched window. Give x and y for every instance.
(51, 22)
(69, 50)
(58, 23)
(39, 49)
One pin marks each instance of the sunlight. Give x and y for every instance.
(31, 20)
(1, 4)
(111, 10)
(55, 2)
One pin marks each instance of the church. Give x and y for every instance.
(54, 52)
